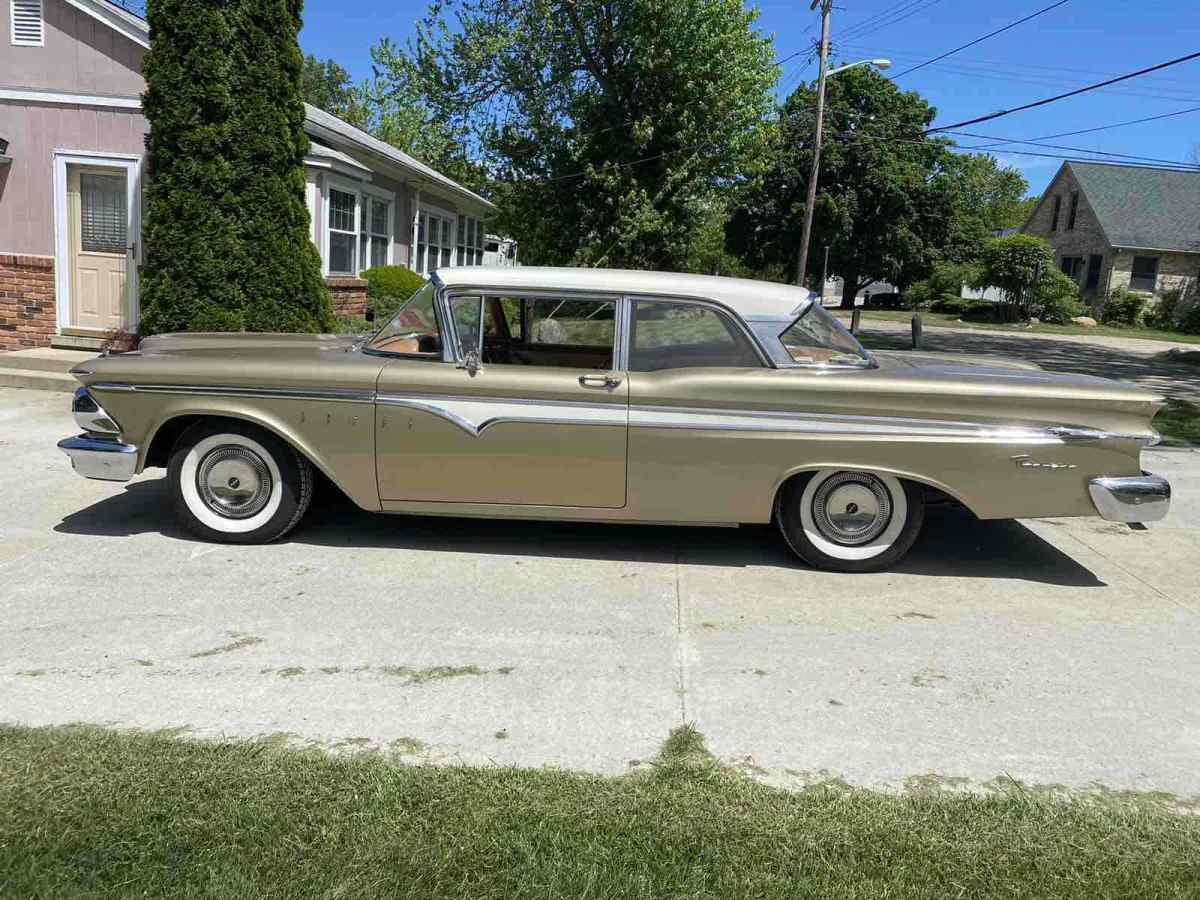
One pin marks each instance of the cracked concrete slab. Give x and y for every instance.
(1053, 651)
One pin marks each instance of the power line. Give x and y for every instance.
(1037, 143)
(1180, 112)
(1055, 99)
(890, 16)
(980, 40)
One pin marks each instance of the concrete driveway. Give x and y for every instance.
(1054, 651)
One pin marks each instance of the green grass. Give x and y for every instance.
(1179, 422)
(86, 812)
(948, 320)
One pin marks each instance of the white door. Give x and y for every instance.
(98, 247)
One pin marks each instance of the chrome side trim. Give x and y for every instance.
(103, 460)
(1074, 434)
(330, 394)
(475, 414)
(1138, 498)
(831, 424)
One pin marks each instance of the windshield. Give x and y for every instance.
(413, 330)
(818, 339)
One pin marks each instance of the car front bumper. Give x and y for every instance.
(1138, 498)
(104, 459)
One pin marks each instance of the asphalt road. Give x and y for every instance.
(1052, 652)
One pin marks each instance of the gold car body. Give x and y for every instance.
(443, 435)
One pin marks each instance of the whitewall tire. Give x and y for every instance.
(850, 521)
(236, 483)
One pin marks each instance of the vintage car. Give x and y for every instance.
(613, 396)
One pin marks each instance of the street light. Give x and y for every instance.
(877, 63)
(826, 8)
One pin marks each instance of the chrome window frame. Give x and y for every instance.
(719, 308)
(620, 311)
(785, 360)
(440, 313)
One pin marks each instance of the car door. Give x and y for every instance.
(537, 423)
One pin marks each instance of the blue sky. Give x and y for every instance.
(1080, 42)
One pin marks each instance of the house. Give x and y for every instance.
(71, 183)
(1116, 226)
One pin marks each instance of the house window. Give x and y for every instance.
(1144, 275)
(435, 242)
(102, 217)
(1071, 266)
(343, 232)
(1095, 264)
(1055, 214)
(470, 241)
(1074, 210)
(376, 238)
(28, 29)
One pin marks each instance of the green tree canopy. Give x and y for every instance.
(329, 87)
(226, 227)
(891, 201)
(609, 124)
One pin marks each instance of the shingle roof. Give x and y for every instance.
(1144, 208)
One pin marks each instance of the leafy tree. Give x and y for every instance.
(396, 111)
(886, 195)
(226, 227)
(611, 124)
(328, 86)
(1022, 266)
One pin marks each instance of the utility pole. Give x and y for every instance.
(824, 273)
(802, 262)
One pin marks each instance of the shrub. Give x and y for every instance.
(351, 325)
(387, 288)
(954, 306)
(1124, 309)
(226, 227)
(943, 286)
(1163, 314)
(1056, 298)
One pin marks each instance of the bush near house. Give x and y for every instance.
(387, 288)
(1124, 309)
(226, 227)
(1056, 298)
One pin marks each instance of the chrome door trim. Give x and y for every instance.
(327, 394)
(474, 415)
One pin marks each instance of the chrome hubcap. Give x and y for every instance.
(852, 508)
(233, 481)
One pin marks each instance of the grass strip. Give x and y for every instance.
(1179, 423)
(86, 812)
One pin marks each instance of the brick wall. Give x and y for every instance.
(26, 301)
(1085, 240)
(349, 296)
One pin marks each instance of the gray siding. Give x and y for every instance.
(35, 131)
(81, 56)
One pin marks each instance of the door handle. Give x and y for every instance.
(608, 382)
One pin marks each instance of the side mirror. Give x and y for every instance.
(471, 363)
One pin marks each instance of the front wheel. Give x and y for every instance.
(238, 484)
(848, 521)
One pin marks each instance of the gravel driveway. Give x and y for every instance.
(1053, 651)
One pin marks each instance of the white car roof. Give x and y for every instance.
(749, 299)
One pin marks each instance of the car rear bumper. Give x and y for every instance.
(105, 459)
(1138, 498)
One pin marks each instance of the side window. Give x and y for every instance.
(413, 330)
(466, 313)
(669, 335)
(566, 332)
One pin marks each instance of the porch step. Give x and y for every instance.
(43, 359)
(77, 342)
(38, 379)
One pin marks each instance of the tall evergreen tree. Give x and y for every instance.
(226, 228)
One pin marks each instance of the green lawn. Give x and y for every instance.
(1179, 423)
(948, 320)
(86, 812)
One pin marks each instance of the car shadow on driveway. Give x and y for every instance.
(953, 543)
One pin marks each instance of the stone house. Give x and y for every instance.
(72, 147)
(1116, 226)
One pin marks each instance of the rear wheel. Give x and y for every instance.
(236, 483)
(849, 521)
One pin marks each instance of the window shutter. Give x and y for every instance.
(27, 27)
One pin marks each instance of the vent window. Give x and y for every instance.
(28, 29)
